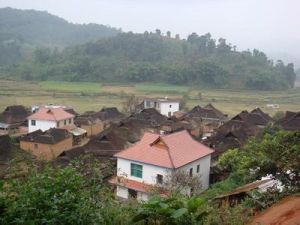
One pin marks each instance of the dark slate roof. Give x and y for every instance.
(291, 121)
(51, 136)
(85, 120)
(263, 114)
(252, 118)
(5, 148)
(72, 111)
(106, 114)
(218, 112)
(14, 114)
(231, 134)
(204, 113)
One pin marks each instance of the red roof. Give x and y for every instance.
(170, 151)
(55, 114)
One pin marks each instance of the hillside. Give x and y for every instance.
(23, 30)
(151, 57)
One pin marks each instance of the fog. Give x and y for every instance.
(269, 25)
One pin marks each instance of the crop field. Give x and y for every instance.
(86, 96)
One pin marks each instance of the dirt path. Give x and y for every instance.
(285, 212)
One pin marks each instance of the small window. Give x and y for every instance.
(136, 170)
(57, 124)
(198, 168)
(170, 106)
(70, 121)
(159, 179)
(33, 122)
(132, 193)
(36, 146)
(65, 122)
(191, 172)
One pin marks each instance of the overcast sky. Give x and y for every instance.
(269, 25)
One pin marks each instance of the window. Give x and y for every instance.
(65, 122)
(132, 193)
(148, 104)
(136, 170)
(57, 124)
(191, 172)
(170, 106)
(70, 121)
(198, 168)
(36, 146)
(33, 122)
(159, 179)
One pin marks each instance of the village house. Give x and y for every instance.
(290, 122)
(46, 118)
(165, 106)
(93, 126)
(13, 120)
(47, 145)
(147, 163)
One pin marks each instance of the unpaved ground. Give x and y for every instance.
(285, 212)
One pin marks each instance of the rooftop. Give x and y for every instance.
(51, 136)
(169, 151)
(54, 114)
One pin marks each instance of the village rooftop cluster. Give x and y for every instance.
(147, 145)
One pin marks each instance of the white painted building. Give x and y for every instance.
(155, 157)
(165, 105)
(46, 118)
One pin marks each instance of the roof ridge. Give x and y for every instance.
(169, 154)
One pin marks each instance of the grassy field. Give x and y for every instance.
(93, 96)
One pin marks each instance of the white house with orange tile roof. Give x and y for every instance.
(46, 118)
(148, 162)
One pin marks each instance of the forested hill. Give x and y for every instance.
(23, 30)
(153, 57)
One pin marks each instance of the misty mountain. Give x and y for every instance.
(23, 30)
(200, 60)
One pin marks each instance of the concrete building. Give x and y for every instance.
(45, 118)
(146, 164)
(165, 105)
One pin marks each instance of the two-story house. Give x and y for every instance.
(46, 118)
(165, 106)
(150, 161)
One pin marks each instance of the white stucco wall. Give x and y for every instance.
(46, 125)
(165, 108)
(41, 124)
(204, 170)
(149, 171)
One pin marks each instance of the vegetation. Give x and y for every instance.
(77, 194)
(21, 31)
(87, 96)
(151, 57)
(275, 154)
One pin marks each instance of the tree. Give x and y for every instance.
(130, 104)
(172, 211)
(276, 153)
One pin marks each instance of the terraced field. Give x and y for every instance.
(86, 96)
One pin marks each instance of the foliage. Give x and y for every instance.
(275, 153)
(227, 215)
(23, 30)
(172, 211)
(58, 196)
(151, 57)
(130, 104)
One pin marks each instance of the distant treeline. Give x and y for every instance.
(152, 57)
(21, 31)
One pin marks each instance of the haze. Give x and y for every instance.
(269, 25)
